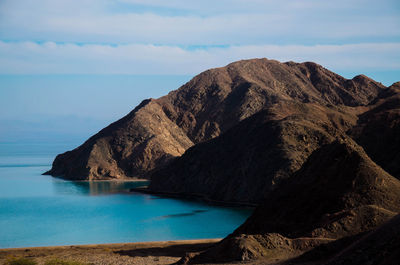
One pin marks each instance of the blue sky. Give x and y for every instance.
(45, 44)
(186, 37)
(72, 107)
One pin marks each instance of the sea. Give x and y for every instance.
(38, 210)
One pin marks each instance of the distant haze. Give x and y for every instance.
(72, 107)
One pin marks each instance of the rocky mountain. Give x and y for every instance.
(337, 195)
(318, 153)
(378, 130)
(380, 246)
(252, 158)
(210, 104)
(136, 143)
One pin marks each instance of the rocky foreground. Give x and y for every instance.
(337, 196)
(146, 253)
(319, 154)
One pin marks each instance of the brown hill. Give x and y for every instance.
(380, 246)
(249, 160)
(208, 105)
(339, 193)
(378, 130)
(128, 147)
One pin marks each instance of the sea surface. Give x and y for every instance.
(37, 210)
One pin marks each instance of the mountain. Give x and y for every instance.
(318, 153)
(213, 102)
(252, 158)
(337, 196)
(128, 147)
(378, 130)
(380, 246)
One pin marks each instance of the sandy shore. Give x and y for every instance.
(145, 253)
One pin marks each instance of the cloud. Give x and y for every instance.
(69, 58)
(163, 37)
(223, 22)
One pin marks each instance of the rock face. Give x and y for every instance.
(210, 104)
(338, 193)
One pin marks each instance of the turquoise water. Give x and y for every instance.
(38, 210)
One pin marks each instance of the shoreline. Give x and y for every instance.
(142, 243)
(144, 190)
(155, 252)
(100, 180)
(195, 197)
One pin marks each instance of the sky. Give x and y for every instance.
(71, 108)
(96, 59)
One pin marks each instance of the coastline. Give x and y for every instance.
(194, 197)
(98, 180)
(158, 252)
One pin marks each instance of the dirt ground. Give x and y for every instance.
(146, 253)
(143, 253)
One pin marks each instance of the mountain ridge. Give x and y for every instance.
(236, 168)
(338, 195)
(208, 105)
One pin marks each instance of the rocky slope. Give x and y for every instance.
(378, 130)
(252, 158)
(290, 136)
(380, 246)
(210, 104)
(128, 147)
(339, 193)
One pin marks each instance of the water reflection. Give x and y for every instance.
(176, 215)
(182, 214)
(94, 188)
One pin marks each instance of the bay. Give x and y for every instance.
(37, 210)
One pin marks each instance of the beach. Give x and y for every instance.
(143, 253)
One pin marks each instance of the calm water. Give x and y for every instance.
(38, 210)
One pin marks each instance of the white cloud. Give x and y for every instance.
(120, 36)
(206, 22)
(231, 6)
(50, 57)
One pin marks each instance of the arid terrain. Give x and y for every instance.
(111, 254)
(207, 106)
(319, 154)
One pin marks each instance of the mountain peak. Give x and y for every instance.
(202, 109)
